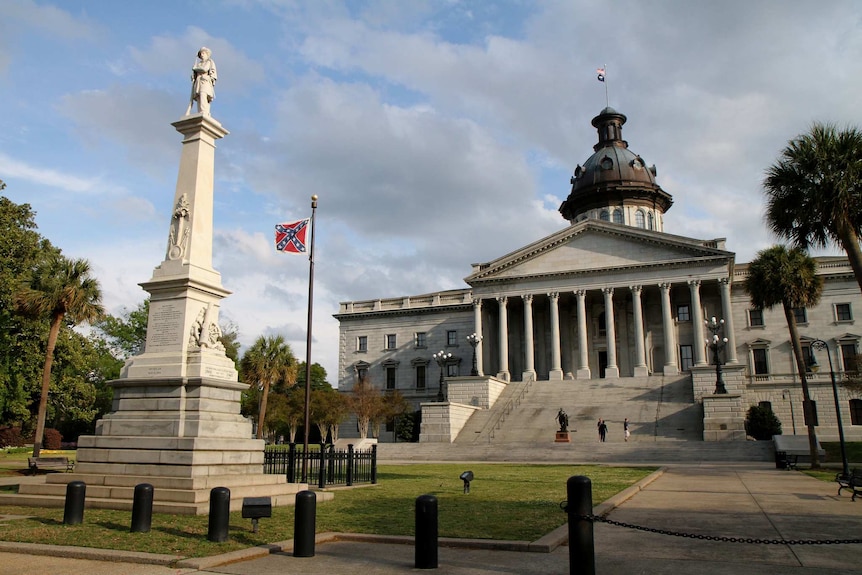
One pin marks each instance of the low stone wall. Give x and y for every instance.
(441, 422)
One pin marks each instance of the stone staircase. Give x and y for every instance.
(666, 426)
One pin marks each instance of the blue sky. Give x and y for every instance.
(437, 134)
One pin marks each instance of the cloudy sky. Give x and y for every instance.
(436, 133)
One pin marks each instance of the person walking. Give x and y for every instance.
(603, 430)
(626, 431)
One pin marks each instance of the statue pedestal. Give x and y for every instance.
(563, 437)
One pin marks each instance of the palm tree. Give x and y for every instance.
(267, 363)
(814, 191)
(59, 289)
(788, 277)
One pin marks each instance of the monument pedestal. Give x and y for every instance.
(563, 437)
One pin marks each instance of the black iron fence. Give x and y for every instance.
(326, 465)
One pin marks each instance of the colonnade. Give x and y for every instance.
(580, 356)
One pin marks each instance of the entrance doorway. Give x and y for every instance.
(603, 363)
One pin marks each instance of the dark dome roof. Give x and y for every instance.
(613, 174)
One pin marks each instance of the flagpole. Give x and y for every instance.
(607, 100)
(308, 344)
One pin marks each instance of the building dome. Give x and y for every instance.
(615, 184)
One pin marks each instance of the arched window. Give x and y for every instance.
(618, 216)
(640, 219)
(605, 216)
(650, 221)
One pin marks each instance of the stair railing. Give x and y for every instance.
(511, 405)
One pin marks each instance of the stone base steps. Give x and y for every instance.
(581, 450)
(169, 496)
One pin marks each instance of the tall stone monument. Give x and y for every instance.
(175, 421)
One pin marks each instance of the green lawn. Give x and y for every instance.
(506, 501)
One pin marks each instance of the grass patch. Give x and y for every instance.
(833, 451)
(13, 460)
(506, 501)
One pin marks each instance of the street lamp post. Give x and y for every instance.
(716, 343)
(473, 339)
(819, 344)
(441, 357)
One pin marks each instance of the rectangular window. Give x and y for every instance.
(765, 405)
(809, 410)
(420, 377)
(452, 370)
(683, 312)
(362, 343)
(390, 341)
(856, 412)
(451, 337)
(390, 424)
(362, 374)
(761, 365)
(390, 378)
(420, 339)
(685, 357)
(848, 357)
(800, 315)
(843, 312)
(755, 318)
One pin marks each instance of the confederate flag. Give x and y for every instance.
(291, 237)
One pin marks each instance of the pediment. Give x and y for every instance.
(597, 246)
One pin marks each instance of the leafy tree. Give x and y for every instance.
(814, 191)
(268, 362)
(126, 334)
(366, 402)
(230, 340)
(393, 405)
(408, 426)
(761, 423)
(61, 290)
(318, 376)
(327, 410)
(789, 278)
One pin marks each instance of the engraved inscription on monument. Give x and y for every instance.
(165, 327)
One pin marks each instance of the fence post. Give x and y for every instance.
(330, 469)
(426, 532)
(349, 464)
(304, 524)
(582, 553)
(291, 463)
(374, 463)
(321, 475)
(219, 520)
(142, 508)
(73, 512)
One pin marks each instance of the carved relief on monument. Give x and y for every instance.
(180, 229)
(205, 331)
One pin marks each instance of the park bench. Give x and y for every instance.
(786, 460)
(58, 463)
(853, 482)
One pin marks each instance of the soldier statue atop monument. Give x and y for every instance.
(204, 77)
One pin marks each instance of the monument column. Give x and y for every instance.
(583, 354)
(727, 311)
(697, 320)
(529, 351)
(612, 370)
(504, 340)
(556, 372)
(477, 328)
(640, 354)
(670, 365)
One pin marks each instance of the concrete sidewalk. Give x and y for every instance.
(746, 501)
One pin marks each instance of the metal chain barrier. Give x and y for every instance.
(597, 518)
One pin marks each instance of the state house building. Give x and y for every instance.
(611, 296)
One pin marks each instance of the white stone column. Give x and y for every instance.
(697, 322)
(556, 372)
(504, 340)
(727, 312)
(529, 351)
(612, 370)
(641, 369)
(583, 353)
(477, 328)
(671, 367)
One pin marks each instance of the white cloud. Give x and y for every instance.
(43, 176)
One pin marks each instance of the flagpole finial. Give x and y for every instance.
(314, 201)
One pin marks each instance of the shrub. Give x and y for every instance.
(11, 437)
(761, 423)
(53, 439)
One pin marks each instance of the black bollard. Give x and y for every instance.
(219, 514)
(426, 532)
(304, 524)
(142, 508)
(73, 512)
(582, 552)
